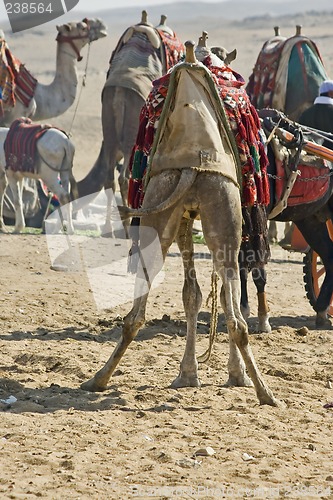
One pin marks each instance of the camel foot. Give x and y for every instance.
(93, 386)
(239, 381)
(264, 326)
(4, 230)
(186, 381)
(269, 399)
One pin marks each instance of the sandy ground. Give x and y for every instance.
(140, 438)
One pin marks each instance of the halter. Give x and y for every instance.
(69, 39)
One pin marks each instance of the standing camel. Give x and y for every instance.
(45, 101)
(193, 166)
(49, 156)
(143, 54)
(56, 97)
(286, 76)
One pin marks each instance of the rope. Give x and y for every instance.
(79, 96)
(203, 358)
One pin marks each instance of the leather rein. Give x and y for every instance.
(69, 39)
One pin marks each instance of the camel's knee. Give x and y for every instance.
(239, 332)
(132, 324)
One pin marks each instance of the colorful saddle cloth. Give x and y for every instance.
(137, 61)
(20, 145)
(16, 82)
(245, 125)
(286, 75)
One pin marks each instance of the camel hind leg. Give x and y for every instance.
(239, 338)
(150, 263)
(3, 185)
(192, 299)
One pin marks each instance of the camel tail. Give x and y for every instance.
(187, 178)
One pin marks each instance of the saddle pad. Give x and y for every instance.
(310, 186)
(20, 145)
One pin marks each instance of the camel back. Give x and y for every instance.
(191, 131)
(142, 55)
(287, 75)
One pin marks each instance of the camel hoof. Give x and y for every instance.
(241, 381)
(269, 399)
(186, 381)
(264, 326)
(4, 230)
(92, 386)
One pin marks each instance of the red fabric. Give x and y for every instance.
(244, 122)
(20, 144)
(173, 48)
(304, 189)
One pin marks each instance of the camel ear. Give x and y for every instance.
(231, 56)
(64, 27)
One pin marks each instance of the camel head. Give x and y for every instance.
(78, 34)
(224, 55)
(218, 55)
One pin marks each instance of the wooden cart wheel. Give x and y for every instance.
(314, 274)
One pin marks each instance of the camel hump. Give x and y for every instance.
(163, 27)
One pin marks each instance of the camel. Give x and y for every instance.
(141, 56)
(193, 167)
(52, 159)
(293, 71)
(55, 98)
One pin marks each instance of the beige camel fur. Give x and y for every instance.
(207, 171)
(55, 98)
(54, 159)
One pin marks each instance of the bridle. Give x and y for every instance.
(69, 39)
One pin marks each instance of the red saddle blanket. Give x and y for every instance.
(20, 144)
(311, 185)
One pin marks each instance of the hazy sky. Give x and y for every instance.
(96, 5)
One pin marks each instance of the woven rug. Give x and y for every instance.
(20, 145)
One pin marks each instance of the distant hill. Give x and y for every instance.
(185, 13)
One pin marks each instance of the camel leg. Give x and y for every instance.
(259, 276)
(145, 275)
(3, 185)
(192, 299)
(221, 239)
(238, 335)
(16, 185)
(244, 304)
(272, 231)
(62, 191)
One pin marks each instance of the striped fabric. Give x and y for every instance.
(20, 145)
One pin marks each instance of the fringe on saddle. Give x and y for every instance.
(249, 137)
(20, 144)
(15, 80)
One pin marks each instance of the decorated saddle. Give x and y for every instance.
(248, 138)
(142, 54)
(16, 82)
(286, 75)
(20, 144)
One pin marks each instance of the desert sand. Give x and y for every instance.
(140, 438)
